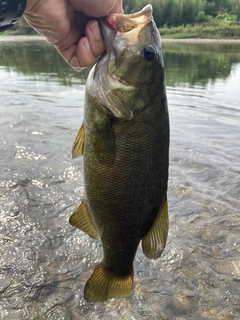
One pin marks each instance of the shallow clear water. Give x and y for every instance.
(44, 262)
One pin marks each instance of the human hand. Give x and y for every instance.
(71, 26)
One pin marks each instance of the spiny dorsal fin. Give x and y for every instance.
(153, 243)
(103, 285)
(81, 220)
(78, 145)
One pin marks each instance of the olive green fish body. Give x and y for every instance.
(125, 144)
(126, 183)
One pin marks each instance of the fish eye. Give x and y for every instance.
(149, 53)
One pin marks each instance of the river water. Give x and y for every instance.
(44, 262)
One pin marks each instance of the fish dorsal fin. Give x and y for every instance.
(104, 284)
(153, 243)
(78, 145)
(81, 220)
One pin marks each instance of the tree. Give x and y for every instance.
(177, 12)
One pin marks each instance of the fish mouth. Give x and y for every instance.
(121, 33)
(123, 23)
(127, 22)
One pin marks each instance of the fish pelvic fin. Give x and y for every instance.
(103, 285)
(154, 242)
(80, 219)
(78, 145)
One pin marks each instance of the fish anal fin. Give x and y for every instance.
(78, 145)
(154, 242)
(103, 285)
(81, 220)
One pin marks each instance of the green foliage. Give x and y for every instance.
(201, 17)
(237, 11)
(227, 17)
(172, 13)
(220, 14)
(202, 31)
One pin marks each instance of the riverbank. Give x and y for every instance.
(21, 38)
(188, 40)
(202, 31)
(200, 40)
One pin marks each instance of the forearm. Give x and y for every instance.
(10, 12)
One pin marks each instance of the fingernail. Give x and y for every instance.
(95, 30)
(86, 44)
(75, 64)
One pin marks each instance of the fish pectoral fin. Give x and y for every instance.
(81, 220)
(154, 242)
(103, 285)
(78, 145)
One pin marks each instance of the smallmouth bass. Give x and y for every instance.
(124, 140)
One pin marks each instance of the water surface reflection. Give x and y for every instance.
(185, 62)
(44, 262)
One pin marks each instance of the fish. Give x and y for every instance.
(124, 141)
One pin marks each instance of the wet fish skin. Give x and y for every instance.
(125, 144)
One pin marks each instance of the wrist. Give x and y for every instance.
(10, 12)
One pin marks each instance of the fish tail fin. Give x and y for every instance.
(103, 285)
